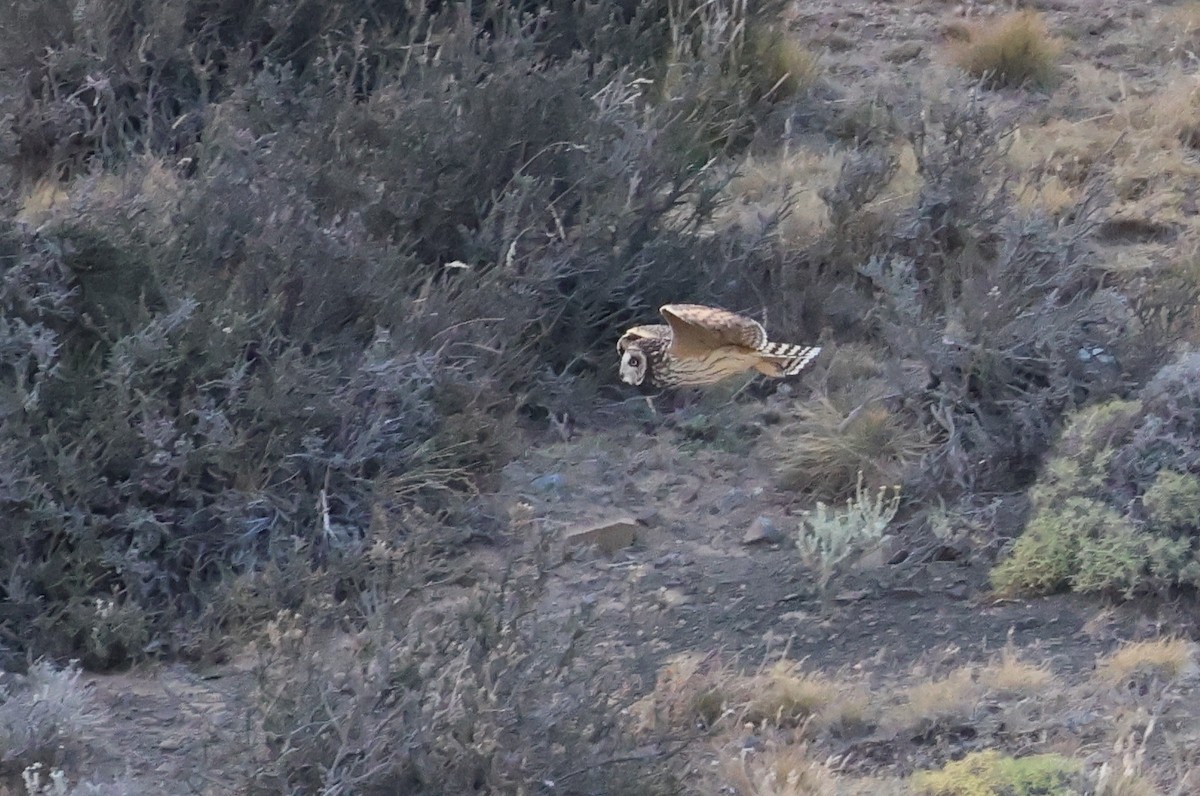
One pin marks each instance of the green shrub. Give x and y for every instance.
(1046, 556)
(1134, 465)
(1172, 502)
(1114, 560)
(991, 773)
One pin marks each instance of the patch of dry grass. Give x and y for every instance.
(788, 771)
(1175, 33)
(927, 704)
(1015, 50)
(781, 65)
(1010, 675)
(785, 695)
(690, 689)
(694, 690)
(782, 191)
(823, 447)
(1166, 660)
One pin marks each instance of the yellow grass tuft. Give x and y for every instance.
(690, 688)
(1014, 50)
(45, 197)
(1165, 659)
(785, 695)
(1012, 676)
(933, 702)
(781, 772)
(824, 449)
(781, 189)
(780, 65)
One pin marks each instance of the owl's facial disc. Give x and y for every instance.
(633, 366)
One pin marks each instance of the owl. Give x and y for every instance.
(701, 345)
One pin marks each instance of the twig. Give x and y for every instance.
(628, 759)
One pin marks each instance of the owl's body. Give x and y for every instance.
(701, 345)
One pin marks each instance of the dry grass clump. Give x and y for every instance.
(787, 771)
(821, 448)
(1176, 33)
(1166, 660)
(927, 705)
(1014, 51)
(702, 691)
(785, 695)
(780, 192)
(781, 66)
(1012, 676)
(690, 689)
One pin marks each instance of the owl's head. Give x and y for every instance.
(633, 365)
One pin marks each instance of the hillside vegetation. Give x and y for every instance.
(286, 285)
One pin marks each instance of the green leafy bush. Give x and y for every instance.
(991, 773)
(1133, 465)
(1173, 501)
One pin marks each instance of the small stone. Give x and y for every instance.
(666, 560)
(763, 531)
(903, 52)
(959, 591)
(734, 499)
(609, 535)
(548, 482)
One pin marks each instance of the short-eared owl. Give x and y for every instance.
(702, 345)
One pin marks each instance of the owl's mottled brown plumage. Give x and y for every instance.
(701, 345)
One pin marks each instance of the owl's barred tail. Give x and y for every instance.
(790, 359)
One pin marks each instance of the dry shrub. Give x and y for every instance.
(1014, 50)
(44, 715)
(325, 306)
(467, 691)
(999, 379)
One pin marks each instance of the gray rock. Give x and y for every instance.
(548, 482)
(763, 531)
(608, 535)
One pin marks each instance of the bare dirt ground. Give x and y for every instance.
(690, 583)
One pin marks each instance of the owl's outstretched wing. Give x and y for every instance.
(696, 329)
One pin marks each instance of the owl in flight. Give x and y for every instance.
(701, 345)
